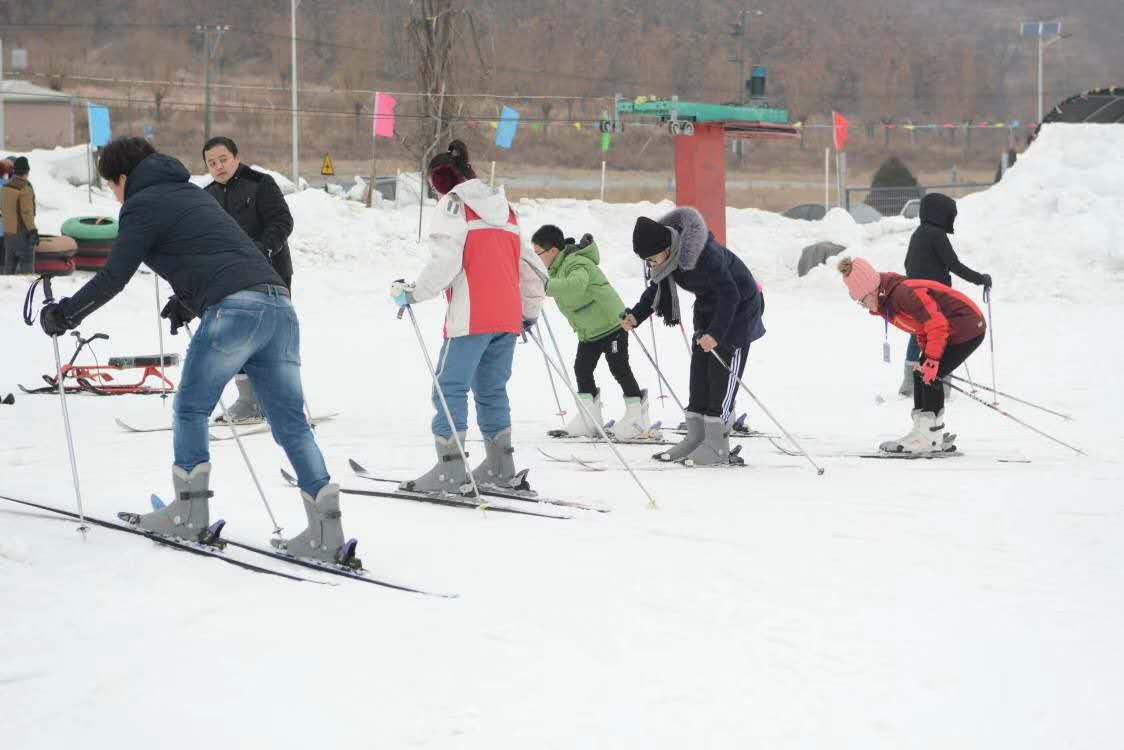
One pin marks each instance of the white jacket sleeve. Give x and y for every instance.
(532, 283)
(447, 233)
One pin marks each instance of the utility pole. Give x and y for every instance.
(212, 35)
(295, 115)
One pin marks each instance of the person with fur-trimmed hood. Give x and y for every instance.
(948, 327)
(494, 290)
(681, 252)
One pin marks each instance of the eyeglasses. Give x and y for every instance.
(658, 259)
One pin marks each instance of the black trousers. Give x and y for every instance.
(714, 389)
(615, 348)
(931, 397)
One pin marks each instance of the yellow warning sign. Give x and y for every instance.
(327, 170)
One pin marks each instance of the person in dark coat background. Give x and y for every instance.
(931, 257)
(681, 252)
(256, 203)
(247, 322)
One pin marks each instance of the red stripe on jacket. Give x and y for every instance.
(491, 266)
(936, 314)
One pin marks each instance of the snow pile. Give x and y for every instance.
(1059, 212)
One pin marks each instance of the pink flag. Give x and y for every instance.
(384, 115)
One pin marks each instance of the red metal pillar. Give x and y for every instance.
(700, 174)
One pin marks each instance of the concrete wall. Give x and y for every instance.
(38, 125)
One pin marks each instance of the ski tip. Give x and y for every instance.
(156, 502)
(356, 466)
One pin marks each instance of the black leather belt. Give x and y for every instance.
(267, 288)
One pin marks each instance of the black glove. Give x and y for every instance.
(33, 238)
(53, 320)
(587, 240)
(986, 281)
(177, 313)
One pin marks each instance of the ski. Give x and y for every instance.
(246, 428)
(492, 491)
(912, 456)
(599, 441)
(357, 573)
(453, 501)
(587, 464)
(195, 549)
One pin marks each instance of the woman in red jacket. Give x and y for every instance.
(948, 327)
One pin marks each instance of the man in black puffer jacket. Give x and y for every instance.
(680, 251)
(248, 322)
(256, 203)
(931, 257)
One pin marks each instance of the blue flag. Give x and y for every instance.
(509, 123)
(99, 125)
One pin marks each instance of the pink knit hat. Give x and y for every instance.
(862, 280)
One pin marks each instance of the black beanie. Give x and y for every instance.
(20, 166)
(650, 237)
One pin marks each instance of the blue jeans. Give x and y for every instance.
(481, 362)
(259, 333)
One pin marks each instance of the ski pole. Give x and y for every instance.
(245, 455)
(991, 343)
(686, 341)
(554, 389)
(659, 372)
(1016, 399)
(29, 319)
(968, 375)
(444, 403)
(48, 297)
(791, 439)
(1016, 420)
(656, 359)
(160, 335)
(600, 429)
(565, 375)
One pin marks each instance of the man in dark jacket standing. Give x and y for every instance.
(256, 203)
(931, 257)
(681, 252)
(21, 236)
(248, 323)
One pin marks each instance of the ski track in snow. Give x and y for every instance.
(961, 603)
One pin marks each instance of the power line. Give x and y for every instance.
(264, 87)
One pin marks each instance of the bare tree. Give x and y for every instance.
(438, 31)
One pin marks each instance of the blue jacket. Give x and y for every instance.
(183, 235)
(728, 303)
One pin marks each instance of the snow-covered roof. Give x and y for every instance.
(25, 91)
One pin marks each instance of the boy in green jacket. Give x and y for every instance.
(593, 309)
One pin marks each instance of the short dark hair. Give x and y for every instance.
(122, 156)
(549, 237)
(220, 140)
(20, 166)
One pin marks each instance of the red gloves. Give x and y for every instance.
(929, 371)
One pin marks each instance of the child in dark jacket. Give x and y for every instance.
(931, 257)
(681, 252)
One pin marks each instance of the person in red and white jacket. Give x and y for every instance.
(948, 327)
(494, 288)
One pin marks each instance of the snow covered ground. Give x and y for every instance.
(965, 603)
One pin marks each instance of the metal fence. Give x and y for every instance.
(890, 201)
